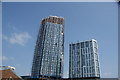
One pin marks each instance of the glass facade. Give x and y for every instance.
(49, 50)
(83, 59)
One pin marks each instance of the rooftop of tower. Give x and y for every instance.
(52, 16)
(82, 41)
(56, 16)
(53, 19)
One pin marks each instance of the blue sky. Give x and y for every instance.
(83, 21)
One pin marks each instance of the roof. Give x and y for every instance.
(6, 67)
(83, 41)
(8, 73)
(53, 19)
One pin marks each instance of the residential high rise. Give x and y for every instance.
(83, 60)
(49, 50)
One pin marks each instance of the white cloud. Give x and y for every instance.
(5, 58)
(18, 38)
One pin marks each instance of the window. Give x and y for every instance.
(90, 43)
(87, 43)
(95, 44)
(82, 45)
(95, 49)
(78, 46)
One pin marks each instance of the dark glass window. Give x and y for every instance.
(78, 46)
(86, 50)
(91, 43)
(95, 49)
(91, 49)
(95, 44)
(87, 43)
(82, 45)
(73, 45)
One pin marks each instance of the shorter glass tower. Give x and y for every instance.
(84, 60)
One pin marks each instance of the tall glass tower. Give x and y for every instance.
(84, 60)
(49, 50)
